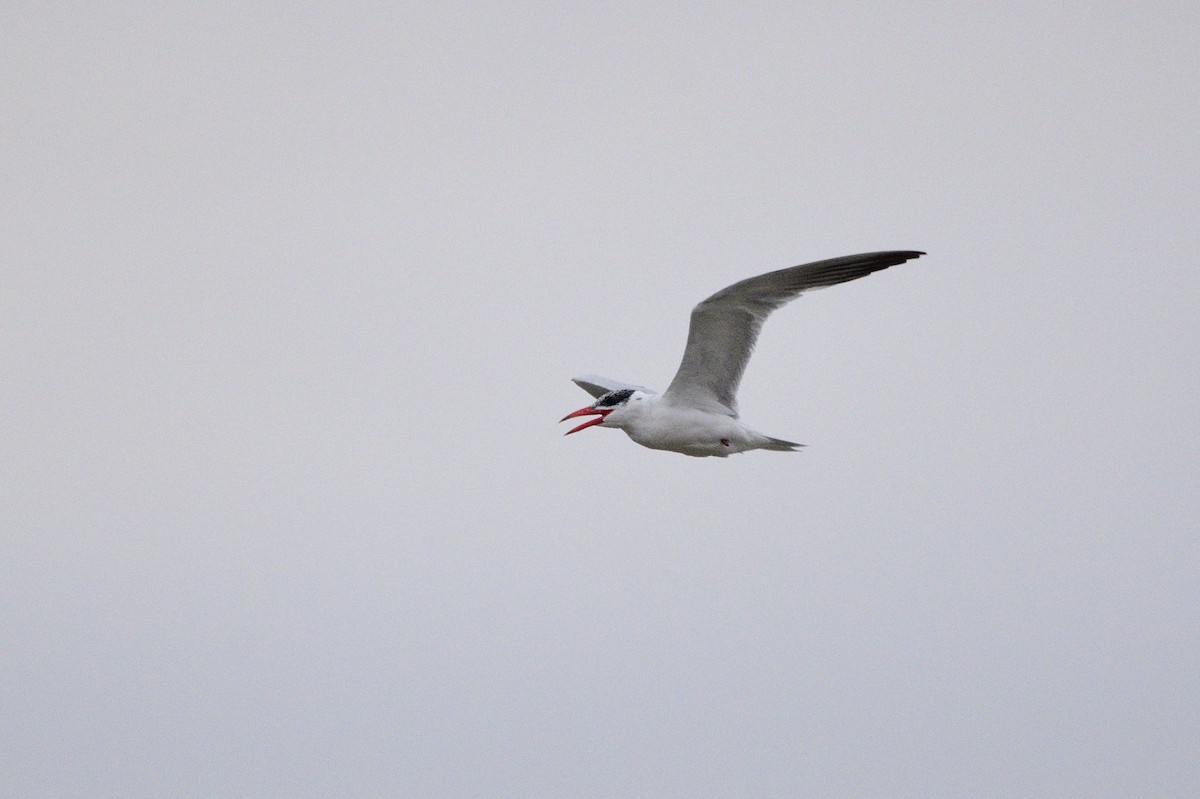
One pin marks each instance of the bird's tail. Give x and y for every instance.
(780, 445)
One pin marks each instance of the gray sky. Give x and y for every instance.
(290, 302)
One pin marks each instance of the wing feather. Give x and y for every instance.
(598, 386)
(725, 327)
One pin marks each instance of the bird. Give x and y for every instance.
(698, 414)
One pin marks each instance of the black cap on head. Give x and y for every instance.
(613, 398)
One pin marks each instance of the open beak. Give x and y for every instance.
(588, 411)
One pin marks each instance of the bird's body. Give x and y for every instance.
(697, 414)
(654, 423)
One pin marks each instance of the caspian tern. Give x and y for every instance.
(697, 414)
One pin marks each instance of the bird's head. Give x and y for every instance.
(610, 410)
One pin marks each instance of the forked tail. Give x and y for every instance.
(780, 445)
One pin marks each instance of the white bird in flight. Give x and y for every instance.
(697, 414)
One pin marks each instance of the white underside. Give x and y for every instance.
(698, 433)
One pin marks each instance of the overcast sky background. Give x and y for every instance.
(289, 304)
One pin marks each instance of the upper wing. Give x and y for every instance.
(725, 326)
(599, 386)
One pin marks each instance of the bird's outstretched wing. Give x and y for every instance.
(725, 326)
(598, 386)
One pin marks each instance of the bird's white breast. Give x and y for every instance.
(658, 425)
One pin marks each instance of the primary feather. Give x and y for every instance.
(598, 386)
